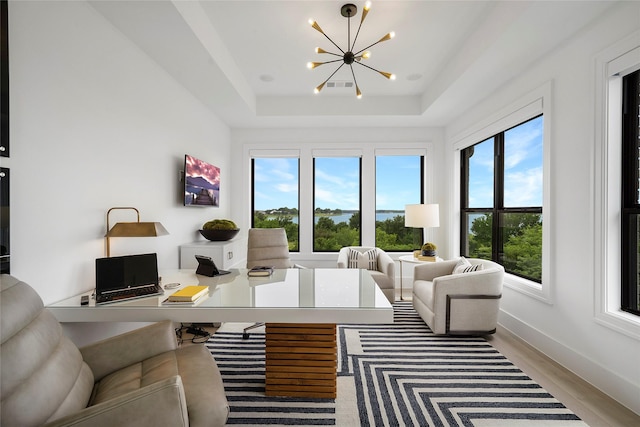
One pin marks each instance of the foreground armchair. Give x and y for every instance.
(377, 261)
(459, 303)
(140, 378)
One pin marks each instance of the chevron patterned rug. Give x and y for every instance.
(397, 374)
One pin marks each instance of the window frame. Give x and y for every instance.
(530, 105)
(498, 209)
(610, 66)
(305, 152)
(630, 207)
(313, 167)
(418, 232)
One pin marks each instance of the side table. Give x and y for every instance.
(411, 260)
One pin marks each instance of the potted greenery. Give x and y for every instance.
(429, 249)
(219, 230)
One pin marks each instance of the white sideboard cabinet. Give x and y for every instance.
(226, 255)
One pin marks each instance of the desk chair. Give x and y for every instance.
(268, 247)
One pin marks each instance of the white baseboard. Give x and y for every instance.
(617, 387)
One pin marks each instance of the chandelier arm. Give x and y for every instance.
(332, 74)
(371, 68)
(334, 43)
(358, 94)
(362, 50)
(356, 37)
(334, 54)
(329, 62)
(371, 45)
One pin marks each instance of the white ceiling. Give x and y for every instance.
(446, 54)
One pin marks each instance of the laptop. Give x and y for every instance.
(127, 277)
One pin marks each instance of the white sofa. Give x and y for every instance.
(462, 303)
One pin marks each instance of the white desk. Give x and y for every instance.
(300, 307)
(288, 296)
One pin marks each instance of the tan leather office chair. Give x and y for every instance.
(463, 301)
(139, 378)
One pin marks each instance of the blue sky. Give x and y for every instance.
(398, 177)
(337, 182)
(523, 168)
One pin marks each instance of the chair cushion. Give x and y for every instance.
(135, 376)
(367, 260)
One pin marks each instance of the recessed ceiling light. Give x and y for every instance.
(414, 77)
(266, 78)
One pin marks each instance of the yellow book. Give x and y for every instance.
(188, 293)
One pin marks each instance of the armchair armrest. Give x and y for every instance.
(115, 353)
(343, 258)
(386, 264)
(431, 270)
(161, 403)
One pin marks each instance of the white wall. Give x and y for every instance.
(95, 124)
(566, 329)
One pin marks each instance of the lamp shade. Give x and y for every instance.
(422, 216)
(132, 229)
(137, 229)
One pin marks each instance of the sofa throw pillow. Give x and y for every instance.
(464, 266)
(461, 265)
(367, 260)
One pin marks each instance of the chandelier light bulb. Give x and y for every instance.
(366, 55)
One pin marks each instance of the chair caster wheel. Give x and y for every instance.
(245, 336)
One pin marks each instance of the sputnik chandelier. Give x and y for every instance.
(348, 57)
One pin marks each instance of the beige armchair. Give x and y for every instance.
(458, 303)
(377, 261)
(140, 378)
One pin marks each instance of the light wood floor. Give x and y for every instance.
(593, 406)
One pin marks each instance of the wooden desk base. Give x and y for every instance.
(301, 360)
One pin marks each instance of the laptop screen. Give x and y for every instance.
(126, 271)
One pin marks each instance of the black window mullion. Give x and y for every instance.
(630, 206)
(498, 197)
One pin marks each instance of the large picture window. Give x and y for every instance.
(276, 196)
(339, 196)
(501, 199)
(336, 203)
(631, 193)
(399, 181)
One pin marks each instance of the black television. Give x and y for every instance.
(201, 183)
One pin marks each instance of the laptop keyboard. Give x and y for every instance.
(127, 294)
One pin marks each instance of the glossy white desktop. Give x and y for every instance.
(288, 296)
(300, 307)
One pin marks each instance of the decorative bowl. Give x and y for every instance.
(219, 235)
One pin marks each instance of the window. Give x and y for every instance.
(501, 199)
(333, 196)
(398, 183)
(275, 196)
(630, 193)
(336, 203)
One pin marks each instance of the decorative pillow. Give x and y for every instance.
(367, 260)
(461, 265)
(464, 266)
(471, 268)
